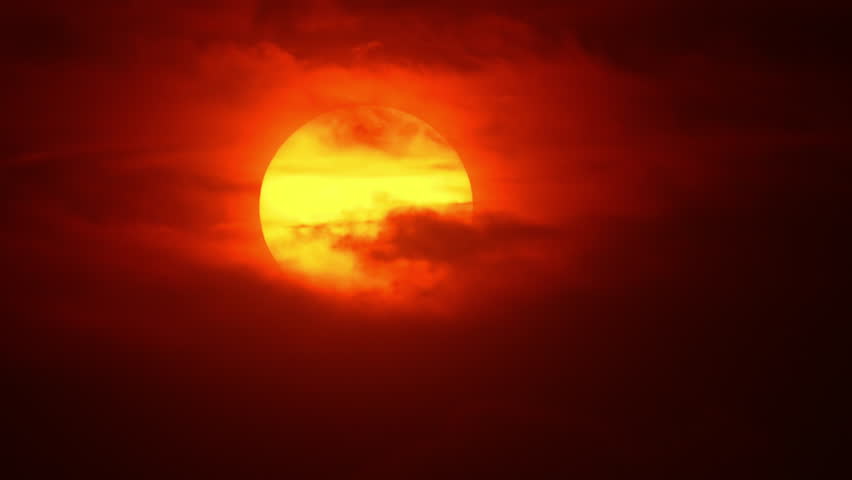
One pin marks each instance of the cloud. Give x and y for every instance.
(427, 235)
(363, 49)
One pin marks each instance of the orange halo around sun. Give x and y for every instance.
(339, 176)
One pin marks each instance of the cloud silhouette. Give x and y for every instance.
(423, 234)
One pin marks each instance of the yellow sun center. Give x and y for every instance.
(339, 176)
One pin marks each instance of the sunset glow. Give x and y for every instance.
(393, 240)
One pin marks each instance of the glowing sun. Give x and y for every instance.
(336, 179)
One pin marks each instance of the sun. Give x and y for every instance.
(338, 177)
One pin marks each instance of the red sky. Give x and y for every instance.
(658, 187)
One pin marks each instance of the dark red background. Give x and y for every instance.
(651, 290)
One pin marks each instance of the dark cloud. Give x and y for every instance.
(427, 235)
